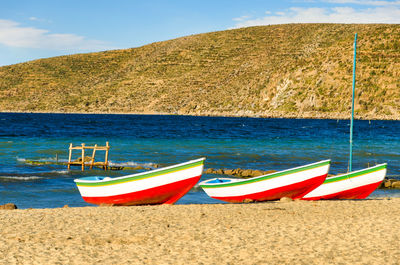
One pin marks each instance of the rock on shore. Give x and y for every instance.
(8, 206)
(390, 184)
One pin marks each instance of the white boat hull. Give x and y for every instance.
(292, 183)
(353, 185)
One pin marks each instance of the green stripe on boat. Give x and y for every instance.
(273, 175)
(144, 176)
(355, 174)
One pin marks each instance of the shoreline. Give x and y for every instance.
(296, 232)
(275, 115)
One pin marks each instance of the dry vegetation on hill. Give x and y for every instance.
(295, 70)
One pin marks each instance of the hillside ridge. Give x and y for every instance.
(291, 70)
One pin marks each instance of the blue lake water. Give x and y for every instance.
(251, 143)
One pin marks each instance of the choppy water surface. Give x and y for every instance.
(254, 143)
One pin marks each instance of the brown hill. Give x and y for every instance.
(294, 70)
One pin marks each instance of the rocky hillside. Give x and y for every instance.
(295, 70)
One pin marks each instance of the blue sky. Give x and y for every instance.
(32, 29)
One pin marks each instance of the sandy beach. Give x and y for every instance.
(296, 232)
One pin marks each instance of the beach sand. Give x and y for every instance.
(296, 232)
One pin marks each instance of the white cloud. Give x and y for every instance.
(12, 34)
(39, 19)
(380, 14)
(365, 2)
(242, 18)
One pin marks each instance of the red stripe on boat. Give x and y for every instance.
(356, 193)
(294, 191)
(165, 194)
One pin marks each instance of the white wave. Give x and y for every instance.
(20, 177)
(49, 159)
(64, 171)
(132, 164)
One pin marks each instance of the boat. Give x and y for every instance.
(293, 183)
(354, 184)
(159, 186)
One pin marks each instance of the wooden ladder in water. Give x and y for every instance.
(92, 163)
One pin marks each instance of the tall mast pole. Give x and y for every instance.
(352, 104)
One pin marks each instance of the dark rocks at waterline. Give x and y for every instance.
(242, 173)
(390, 184)
(86, 159)
(8, 206)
